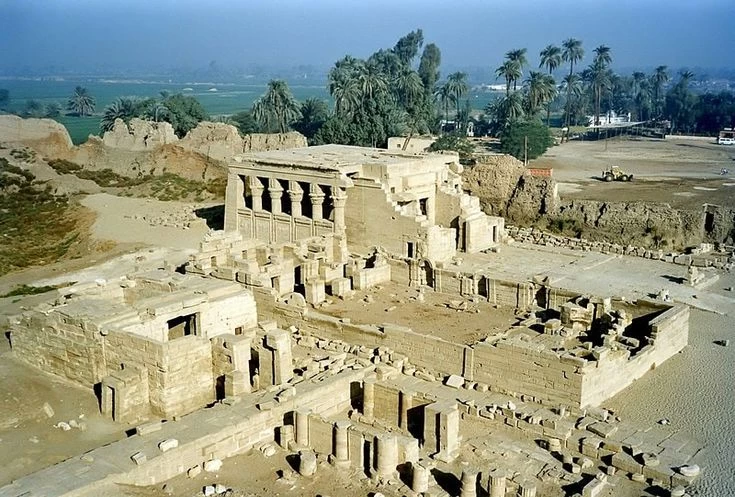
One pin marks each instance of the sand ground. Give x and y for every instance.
(683, 173)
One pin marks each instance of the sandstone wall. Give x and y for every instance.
(615, 371)
(372, 220)
(423, 350)
(261, 142)
(60, 345)
(528, 369)
(48, 137)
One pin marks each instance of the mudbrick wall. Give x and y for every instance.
(145, 148)
(507, 189)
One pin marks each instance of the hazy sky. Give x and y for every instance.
(88, 34)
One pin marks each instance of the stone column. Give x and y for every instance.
(302, 427)
(275, 190)
(469, 483)
(387, 452)
(339, 200)
(368, 398)
(296, 194)
(316, 194)
(256, 190)
(527, 489)
(496, 483)
(420, 478)
(406, 403)
(341, 446)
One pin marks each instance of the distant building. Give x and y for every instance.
(726, 137)
(609, 119)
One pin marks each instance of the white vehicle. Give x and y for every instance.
(726, 141)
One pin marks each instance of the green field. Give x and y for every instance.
(217, 98)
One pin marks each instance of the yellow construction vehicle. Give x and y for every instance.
(616, 174)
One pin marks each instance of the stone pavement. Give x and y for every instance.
(600, 274)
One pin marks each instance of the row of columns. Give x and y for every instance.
(468, 482)
(296, 195)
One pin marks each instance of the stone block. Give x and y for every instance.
(139, 458)
(168, 444)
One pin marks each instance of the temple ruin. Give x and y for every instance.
(251, 329)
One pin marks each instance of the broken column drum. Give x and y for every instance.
(387, 454)
(307, 463)
(341, 448)
(496, 483)
(469, 483)
(420, 478)
(527, 489)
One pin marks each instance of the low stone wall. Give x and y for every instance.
(537, 237)
(511, 366)
(614, 371)
(525, 368)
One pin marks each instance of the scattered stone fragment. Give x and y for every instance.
(168, 444)
(690, 470)
(63, 425)
(678, 491)
(139, 458)
(455, 381)
(48, 410)
(213, 465)
(307, 463)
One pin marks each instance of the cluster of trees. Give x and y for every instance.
(183, 112)
(397, 91)
(375, 98)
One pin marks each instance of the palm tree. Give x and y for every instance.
(409, 87)
(550, 58)
(602, 55)
(510, 108)
(658, 79)
(457, 87)
(124, 108)
(572, 85)
(510, 72)
(518, 58)
(277, 108)
(540, 90)
(156, 111)
(638, 90)
(444, 95)
(572, 52)
(685, 76)
(600, 79)
(81, 102)
(342, 85)
(370, 82)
